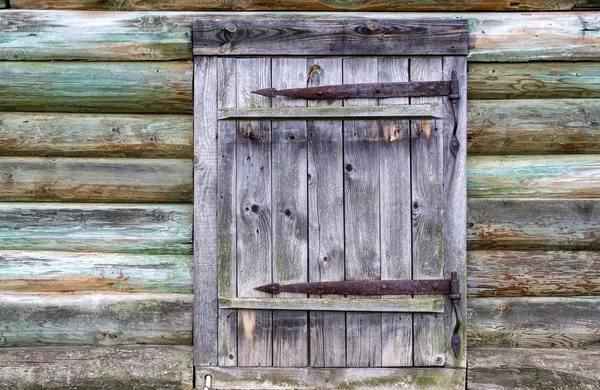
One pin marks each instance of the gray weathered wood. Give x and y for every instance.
(310, 37)
(524, 368)
(587, 5)
(326, 216)
(427, 157)
(390, 305)
(254, 214)
(97, 368)
(44, 319)
(205, 211)
(361, 207)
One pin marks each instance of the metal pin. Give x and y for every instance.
(207, 382)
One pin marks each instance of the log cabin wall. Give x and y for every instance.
(96, 172)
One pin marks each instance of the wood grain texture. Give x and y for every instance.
(68, 271)
(134, 36)
(525, 368)
(533, 126)
(67, 179)
(533, 273)
(534, 80)
(95, 135)
(97, 368)
(97, 87)
(533, 224)
(45, 319)
(557, 176)
(586, 5)
(534, 322)
(141, 228)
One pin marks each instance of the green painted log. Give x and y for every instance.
(134, 36)
(533, 126)
(67, 272)
(533, 322)
(124, 228)
(533, 224)
(536, 80)
(95, 135)
(558, 176)
(151, 87)
(97, 368)
(74, 179)
(533, 273)
(40, 319)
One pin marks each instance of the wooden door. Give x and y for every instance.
(287, 192)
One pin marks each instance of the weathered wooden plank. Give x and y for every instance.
(334, 378)
(533, 273)
(205, 212)
(97, 87)
(534, 80)
(95, 135)
(36, 319)
(326, 216)
(133, 228)
(68, 271)
(390, 305)
(534, 126)
(95, 180)
(530, 224)
(557, 176)
(134, 36)
(523, 368)
(534, 322)
(96, 368)
(586, 5)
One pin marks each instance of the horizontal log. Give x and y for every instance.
(36, 319)
(524, 368)
(533, 126)
(557, 176)
(532, 224)
(534, 80)
(95, 135)
(533, 273)
(131, 228)
(97, 87)
(533, 322)
(134, 36)
(68, 271)
(97, 368)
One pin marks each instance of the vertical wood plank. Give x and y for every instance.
(326, 217)
(395, 217)
(253, 213)
(361, 207)
(290, 219)
(205, 211)
(427, 221)
(226, 190)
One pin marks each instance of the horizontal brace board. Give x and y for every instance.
(135, 36)
(95, 135)
(533, 273)
(96, 180)
(401, 305)
(36, 319)
(332, 378)
(417, 111)
(534, 322)
(70, 271)
(125, 228)
(98, 367)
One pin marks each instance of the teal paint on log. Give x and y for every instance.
(68, 271)
(3, 4)
(142, 87)
(38, 319)
(134, 36)
(131, 228)
(558, 176)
